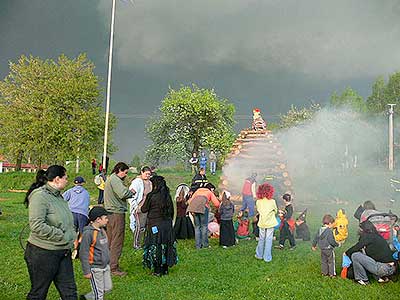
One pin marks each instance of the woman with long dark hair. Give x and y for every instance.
(371, 254)
(159, 246)
(48, 251)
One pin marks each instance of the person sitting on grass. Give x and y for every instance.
(95, 255)
(326, 242)
(242, 226)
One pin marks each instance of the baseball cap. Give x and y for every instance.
(79, 179)
(97, 212)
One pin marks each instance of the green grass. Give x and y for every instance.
(213, 273)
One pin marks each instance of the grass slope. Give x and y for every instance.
(214, 273)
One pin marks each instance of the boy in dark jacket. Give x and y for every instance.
(94, 254)
(287, 224)
(326, 242)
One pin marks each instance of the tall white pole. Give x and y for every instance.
(109, 83)
(391, 137)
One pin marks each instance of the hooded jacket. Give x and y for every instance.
(93, 251)
(324, 238)
(78, 200)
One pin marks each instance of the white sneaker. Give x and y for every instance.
(362, 282)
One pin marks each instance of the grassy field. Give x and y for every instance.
(214, 273)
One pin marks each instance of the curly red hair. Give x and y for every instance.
(265, 191)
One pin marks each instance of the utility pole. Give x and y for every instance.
(391, 137)
(110, 54)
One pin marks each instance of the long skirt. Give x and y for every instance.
(160, 246)
(227, 233)
(184, 228)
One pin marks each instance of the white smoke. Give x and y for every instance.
(336, 158)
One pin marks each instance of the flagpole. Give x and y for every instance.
(109, 84)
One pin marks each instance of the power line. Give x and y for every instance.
(147, 116)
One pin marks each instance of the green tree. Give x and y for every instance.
(190, 119)
(296, 116)
(136, 162)
(385, 93)
(376, 102)
(349, 98)
(51, 111)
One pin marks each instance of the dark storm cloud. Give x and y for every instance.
(335, 40)
(268, 54)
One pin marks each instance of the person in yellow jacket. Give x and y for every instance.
(100, 181)
(267, 209)
(340, 230)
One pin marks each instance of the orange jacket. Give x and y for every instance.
(208, 194)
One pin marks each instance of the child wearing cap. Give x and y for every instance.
(78, 201)
(94, 254)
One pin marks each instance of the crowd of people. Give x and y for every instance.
(60, 222)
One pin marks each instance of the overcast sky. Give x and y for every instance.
(256, 53)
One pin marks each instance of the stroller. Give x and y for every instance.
(385, 224)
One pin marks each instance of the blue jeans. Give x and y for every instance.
(363, 263)
(201, 229)
(263, 250)
(213, 167)
(248, 202)
(80, 221)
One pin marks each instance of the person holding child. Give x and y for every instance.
(326, 242)
(226, 210)
(95, 255)
(267, 209)
(287, 224)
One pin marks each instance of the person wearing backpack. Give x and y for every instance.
(95, 255)
(100, 182)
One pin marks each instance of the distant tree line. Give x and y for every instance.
(382, 94)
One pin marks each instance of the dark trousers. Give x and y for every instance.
(46, 266)
(286, 234)
(100, 200)
(115, 235)
(80, 221)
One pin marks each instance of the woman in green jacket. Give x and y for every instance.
(48, 251)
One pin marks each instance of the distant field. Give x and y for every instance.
(206, 274)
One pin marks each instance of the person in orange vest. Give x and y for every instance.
(248, 194)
